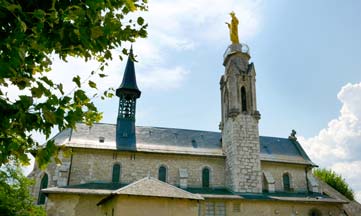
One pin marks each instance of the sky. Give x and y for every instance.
(307, 56)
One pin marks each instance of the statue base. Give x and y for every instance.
(236, 48)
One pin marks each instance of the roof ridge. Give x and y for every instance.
(144, 126)
(156, 180)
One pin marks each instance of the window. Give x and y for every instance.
(236, 207)
(244, 99)
(264, 184)
(162, 174)
(215, 209)
(43, 185)
(194, 144)
(314, 212)
(116, 173)
(286, 182)
(205, 178)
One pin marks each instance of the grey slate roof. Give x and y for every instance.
(178, 141)
(153, 187)
(150, 186)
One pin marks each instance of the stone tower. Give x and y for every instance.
(239, 125)
(128, 93)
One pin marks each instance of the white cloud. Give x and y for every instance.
(206, 16)
(163, 78)
(338, 146)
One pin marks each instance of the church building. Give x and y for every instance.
(124, 169)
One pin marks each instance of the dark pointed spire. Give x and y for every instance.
(129, 83)
(128, 93)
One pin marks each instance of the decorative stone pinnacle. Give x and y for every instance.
(292, 136)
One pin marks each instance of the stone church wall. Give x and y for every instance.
(296, 172)
(96, 165)
(57, 174)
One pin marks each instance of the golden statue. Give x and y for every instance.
(233, 28)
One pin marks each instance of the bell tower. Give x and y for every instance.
(239, 125)
(128, 94)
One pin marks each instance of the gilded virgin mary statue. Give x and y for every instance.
(233, 28)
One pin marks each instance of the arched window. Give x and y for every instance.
(264, 184)
(162, 173)
(244, 99)
(116, 173)
(205, 178)
(286, 182)
(315, 212)
(43, 185)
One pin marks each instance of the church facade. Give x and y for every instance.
(124, 169)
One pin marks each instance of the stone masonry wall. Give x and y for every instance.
(57, 174)
(241, 142)
(96, 165)
(296, 172)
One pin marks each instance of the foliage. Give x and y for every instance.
(33, 32)
(15, 198)
(336, 181)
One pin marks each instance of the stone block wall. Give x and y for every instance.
(96, 165)
(296, 172)
(57, 174)
(241, 144)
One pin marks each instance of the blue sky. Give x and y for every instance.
(307, 56)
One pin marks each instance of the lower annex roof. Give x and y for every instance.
(151, 188)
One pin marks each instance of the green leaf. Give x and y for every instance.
(49, 116)
(140, 21)
(102, 75)
(23, 25)
(36, 92)
(96, 32)
(39, 14)
(80, 96)
(13, 7)
(47, 81)
(76, 79)
(60, 87)
(92, 84)
(25, 101)
(108, 55)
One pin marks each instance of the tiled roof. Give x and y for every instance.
(59, 190)
(152, 187)
(99, 188)
(179, 141)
